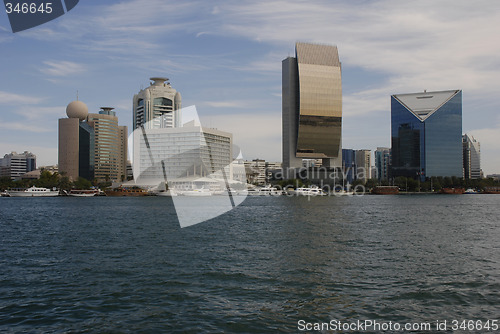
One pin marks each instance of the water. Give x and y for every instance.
(123, 265)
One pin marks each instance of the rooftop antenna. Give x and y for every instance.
(77, 95)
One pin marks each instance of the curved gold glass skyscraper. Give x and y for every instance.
(312, 106)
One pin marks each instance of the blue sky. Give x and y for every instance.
(225, 58)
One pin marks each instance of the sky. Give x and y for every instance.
(225, 57)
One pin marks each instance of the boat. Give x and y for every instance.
(83, 193)
(270, 191)
(471, 191)
(33, 192)
(130, 192)
(309, 191)
(453, 191)
(166, 193)
(343, 193)
(231, 192)
(385, 190)
(491, 190)
(264, 191)
(198, 192)
(4, 194)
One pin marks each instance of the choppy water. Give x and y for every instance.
(124, 265)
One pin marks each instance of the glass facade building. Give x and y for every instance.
(349, 164)
(86, 151)
(426, 134)
(312, 105)
(382, 162)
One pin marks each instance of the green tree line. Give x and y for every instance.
(435, 183)
(51, 180)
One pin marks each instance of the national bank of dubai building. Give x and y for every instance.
(312, 106)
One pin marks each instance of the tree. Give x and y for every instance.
(82, 183)
(401, 182)
(371, 183)
(64, 183)
(412, 184)
(447, 182)
(6, 182)
(47, 180)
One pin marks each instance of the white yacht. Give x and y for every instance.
(167, 193)
(309, 191)
(265, 191)
(33, 192)
(198, 192)
(343, 193)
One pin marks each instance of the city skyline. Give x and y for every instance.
(226, 60)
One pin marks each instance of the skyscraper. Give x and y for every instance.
(76, 143)
(109, 160)
(363, 164)
(472, 157)
(312, 106)
(348, 165)
(92, 146)
(427, 134)
(382, 162)
(157, 106)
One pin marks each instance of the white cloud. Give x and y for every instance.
(364, 102)
(11, 98)
(226, 104)
(37, 113)
(424, 45)
(22, 126)
(61, 68)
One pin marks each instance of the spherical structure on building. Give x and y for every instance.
(77, 109)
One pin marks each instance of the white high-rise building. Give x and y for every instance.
(175, 153)
(14, 165)
(157, 106)
(472, 157)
